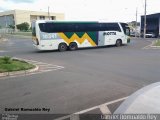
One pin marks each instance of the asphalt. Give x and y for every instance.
(90, 76)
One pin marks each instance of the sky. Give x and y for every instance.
(94, 10)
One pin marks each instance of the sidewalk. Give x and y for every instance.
(145, 100)
(19, 36)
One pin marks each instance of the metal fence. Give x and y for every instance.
(5, 31)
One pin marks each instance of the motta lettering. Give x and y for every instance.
(111, 33)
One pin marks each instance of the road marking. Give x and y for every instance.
(1, 51)
(32, 73)
(10, 43)
(74, 117)
(98, 106)
(64, 117)
(103, 108)
(155, 48)
(150, 46)
(146, 47)
(43, 68)
(149, 40)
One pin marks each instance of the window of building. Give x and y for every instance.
(32, 18)
(42, 17)
(53, 17)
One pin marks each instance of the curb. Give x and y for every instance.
(20, 36)
(3, 39)
(23, 72)
(152, 45)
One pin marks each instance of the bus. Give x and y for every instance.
(64, 35)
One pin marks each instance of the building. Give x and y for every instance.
(15, 17)
(134, 28)
(152, 24)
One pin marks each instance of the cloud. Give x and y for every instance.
(2, 9)
(20, 1)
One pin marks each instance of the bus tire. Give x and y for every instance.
(62, 47)
(118, 42)
(73, 46)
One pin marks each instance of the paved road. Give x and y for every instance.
(90, 76)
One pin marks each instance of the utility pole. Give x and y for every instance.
(48, 13)
(136, 23)
(145, 11)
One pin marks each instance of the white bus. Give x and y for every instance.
(63, 35)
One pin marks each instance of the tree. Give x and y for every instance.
(134, 24)
(12, 26)
(23, 26)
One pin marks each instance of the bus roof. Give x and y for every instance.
(60, 21)
(64, 21)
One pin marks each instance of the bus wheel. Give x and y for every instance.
(62, 47)
(73, 46)
(118, 42)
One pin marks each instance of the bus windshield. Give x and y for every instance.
(126, 29)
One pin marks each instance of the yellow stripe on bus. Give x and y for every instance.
(75, 37)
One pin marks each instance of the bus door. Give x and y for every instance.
(107, 38)
(101, 38)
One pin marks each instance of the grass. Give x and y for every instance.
(8, 65)
(157, 43)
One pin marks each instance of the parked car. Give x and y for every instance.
(135, 34)
(150, 35)
(132, 34)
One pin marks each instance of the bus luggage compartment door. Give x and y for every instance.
(101, 38)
